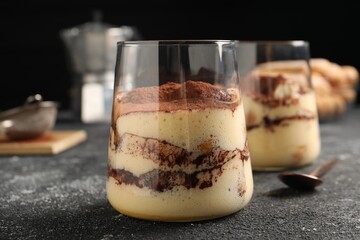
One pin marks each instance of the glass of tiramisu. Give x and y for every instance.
(178, 147)
(280, 104)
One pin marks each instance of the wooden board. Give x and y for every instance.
(50, 143)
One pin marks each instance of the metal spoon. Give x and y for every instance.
(306, 181)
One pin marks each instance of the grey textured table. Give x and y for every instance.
(63, 197)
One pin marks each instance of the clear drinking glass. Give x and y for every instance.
(279, 102)
(178, 148)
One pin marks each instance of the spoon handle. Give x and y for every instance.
(324, 168)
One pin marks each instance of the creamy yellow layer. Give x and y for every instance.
(294, 142)
(189, 130)
(181, 204)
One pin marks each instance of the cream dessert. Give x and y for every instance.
(282, 121)
(178, 152)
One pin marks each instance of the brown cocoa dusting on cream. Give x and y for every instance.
(190, 95)
(261, 88)
(174, 91)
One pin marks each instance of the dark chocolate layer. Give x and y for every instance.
(168, 155)
(207, 165)
(271, 123)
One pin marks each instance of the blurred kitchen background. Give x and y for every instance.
(34, 57)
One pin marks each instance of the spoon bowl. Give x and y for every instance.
(304, 181)
(300, 181)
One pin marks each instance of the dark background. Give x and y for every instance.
(33, 56)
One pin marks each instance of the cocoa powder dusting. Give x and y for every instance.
(172, 96)
(261, 89)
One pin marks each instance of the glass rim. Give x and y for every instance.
(276, 42)
(176, 42)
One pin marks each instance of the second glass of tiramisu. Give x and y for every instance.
(280, 104)
(178, 147)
